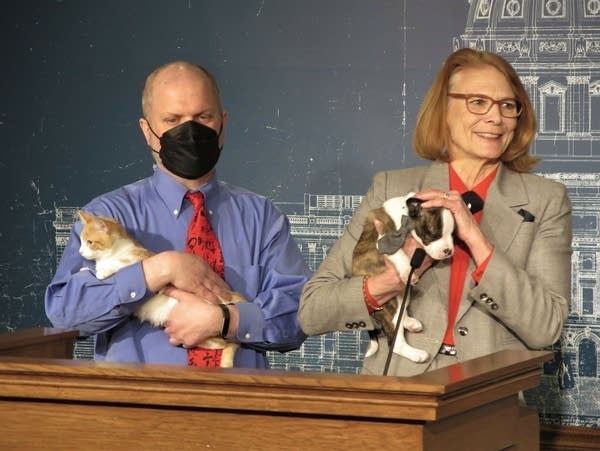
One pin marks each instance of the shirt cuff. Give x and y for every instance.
(131, 285)
(477, 274)
(251, 323)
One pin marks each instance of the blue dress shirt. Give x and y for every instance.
(262, 262)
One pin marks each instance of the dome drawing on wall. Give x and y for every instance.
(555, 47)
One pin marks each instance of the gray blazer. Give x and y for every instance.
(521, 301)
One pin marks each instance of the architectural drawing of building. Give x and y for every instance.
(555, 47)
(323, 222)
(569, 391)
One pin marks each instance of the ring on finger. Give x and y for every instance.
(446, 195)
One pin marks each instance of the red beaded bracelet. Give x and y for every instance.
(372, 304)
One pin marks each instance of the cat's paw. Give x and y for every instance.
(101, 275)
(156, 310)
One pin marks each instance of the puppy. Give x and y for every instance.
(383, 236)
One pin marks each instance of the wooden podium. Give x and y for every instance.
(71, 404)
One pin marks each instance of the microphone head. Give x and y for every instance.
(417, 258)
(473, 201)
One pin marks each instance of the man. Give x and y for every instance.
(183, 123)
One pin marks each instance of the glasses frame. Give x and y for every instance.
(493, 102)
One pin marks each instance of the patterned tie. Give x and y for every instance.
(202, 241)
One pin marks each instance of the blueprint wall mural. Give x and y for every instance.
(321, 95)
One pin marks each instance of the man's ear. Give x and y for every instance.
(414, 207)
(224, 120)
(145, 129)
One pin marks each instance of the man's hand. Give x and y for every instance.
(194, 319)
(187, 272)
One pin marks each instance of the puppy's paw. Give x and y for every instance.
(372, 349)
(418, 355)
(404, 276)
(414, 279)
(412, 324)
(413, 354)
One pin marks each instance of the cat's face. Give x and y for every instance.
(97, 236)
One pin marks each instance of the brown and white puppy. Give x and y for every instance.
(383, 236)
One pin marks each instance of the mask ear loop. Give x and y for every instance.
(153, 132)
(219, 134)
(148, 122)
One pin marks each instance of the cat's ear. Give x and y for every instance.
(85, 217)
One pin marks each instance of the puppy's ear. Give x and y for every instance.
(414, 207)
(378, 226)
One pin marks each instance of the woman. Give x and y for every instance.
(507, 285)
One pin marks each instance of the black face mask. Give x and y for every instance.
(189, 150)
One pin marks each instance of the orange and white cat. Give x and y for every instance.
(106, 241)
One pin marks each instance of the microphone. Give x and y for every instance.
(417, 258)
(473, 201)
(415, 262)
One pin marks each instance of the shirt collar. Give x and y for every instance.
(172, 192)
(481, 188)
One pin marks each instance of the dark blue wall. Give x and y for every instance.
(313, 89)
(321, 94)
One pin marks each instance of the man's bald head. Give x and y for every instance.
(169, 73)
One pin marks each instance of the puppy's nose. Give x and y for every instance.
(448, 252)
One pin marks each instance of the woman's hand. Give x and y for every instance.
(389, 283)
(466, 227)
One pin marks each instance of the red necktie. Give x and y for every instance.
(202, 241)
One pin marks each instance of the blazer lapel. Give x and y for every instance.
(499, 222)
(437, 177)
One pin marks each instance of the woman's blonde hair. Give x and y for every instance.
(430, 139)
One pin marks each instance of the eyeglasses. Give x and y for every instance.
(480, 104)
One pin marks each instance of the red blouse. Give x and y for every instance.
(461, 257)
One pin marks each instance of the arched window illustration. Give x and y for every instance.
(552, 108)
(587, 358)
(483, 9)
